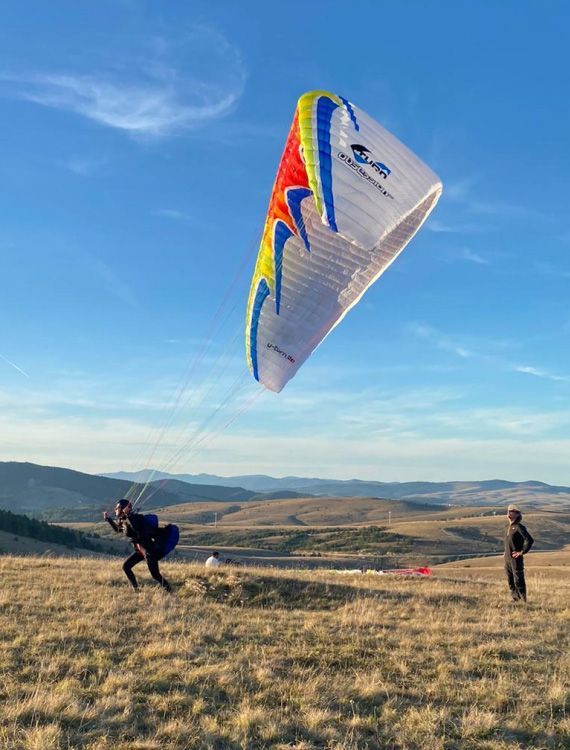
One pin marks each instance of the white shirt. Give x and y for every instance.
(213, 562)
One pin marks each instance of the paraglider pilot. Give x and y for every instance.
(146, 543)
(518, 542)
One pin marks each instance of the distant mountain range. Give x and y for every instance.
(487, 492)
(54, 493)
(49, 491)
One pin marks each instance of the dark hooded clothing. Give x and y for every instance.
(147, 546)
(517, 539)
(135, 528)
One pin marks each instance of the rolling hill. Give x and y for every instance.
(63, 494)
(21, 535)
(489, 492)
(298, 512)
(376, 532)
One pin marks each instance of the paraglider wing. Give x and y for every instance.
(347, 198)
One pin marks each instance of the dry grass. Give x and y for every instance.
(244, 659)
(542, 568)
(312, 511)
(422, 538)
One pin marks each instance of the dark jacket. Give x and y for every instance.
(136, 529)
(517, 539)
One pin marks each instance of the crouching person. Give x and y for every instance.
(150, 542)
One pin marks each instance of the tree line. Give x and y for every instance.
(20, 525)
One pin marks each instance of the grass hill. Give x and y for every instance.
(331, 511)
(470, 536)
(323, 512)
(255, 659)
(362, 531)
(22, 535)
(32, 488)
(25, 546)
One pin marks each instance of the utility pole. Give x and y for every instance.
(389, 518)
(215, 520)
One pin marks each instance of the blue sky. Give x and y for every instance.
(139, 145)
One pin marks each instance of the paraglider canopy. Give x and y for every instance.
(347, 198)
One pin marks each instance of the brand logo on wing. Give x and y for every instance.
(363, 155)
(279, 351)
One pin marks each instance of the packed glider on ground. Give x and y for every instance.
(347, 199)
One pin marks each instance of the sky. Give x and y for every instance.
(139, 145)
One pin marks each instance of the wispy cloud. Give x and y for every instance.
(395, 433)
(457, 190)
(441, 227)
(84, 167)
(450, 344)
(15, 366)
(464, 254)
(157, 96)
(473, 196)
(114, 284)
(514, 421)
(172, 213)
(537, 372)
(107, 444)
(502, 208)
(441, 341)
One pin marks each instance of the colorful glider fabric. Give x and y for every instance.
(347, 199)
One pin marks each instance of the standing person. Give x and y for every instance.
(517, 543)
(147, 547)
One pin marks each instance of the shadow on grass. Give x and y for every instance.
(276, 592)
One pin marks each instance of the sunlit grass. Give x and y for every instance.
(277, 659)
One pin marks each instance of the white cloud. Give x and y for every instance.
(502, 208)
(457, 190)
(464, 254)
(540, 373)
(503, 421)
(172, 213)
(92, 424)
(84, 167)
(448, 343)
(441, 341)
(15, 366)
(473, 196)
(108, 445)
(440, 227)
(116, 286)
(184, 83)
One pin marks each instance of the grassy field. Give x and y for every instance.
(250, 659)
(546, 568)
(412, 536)
(313, 511)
